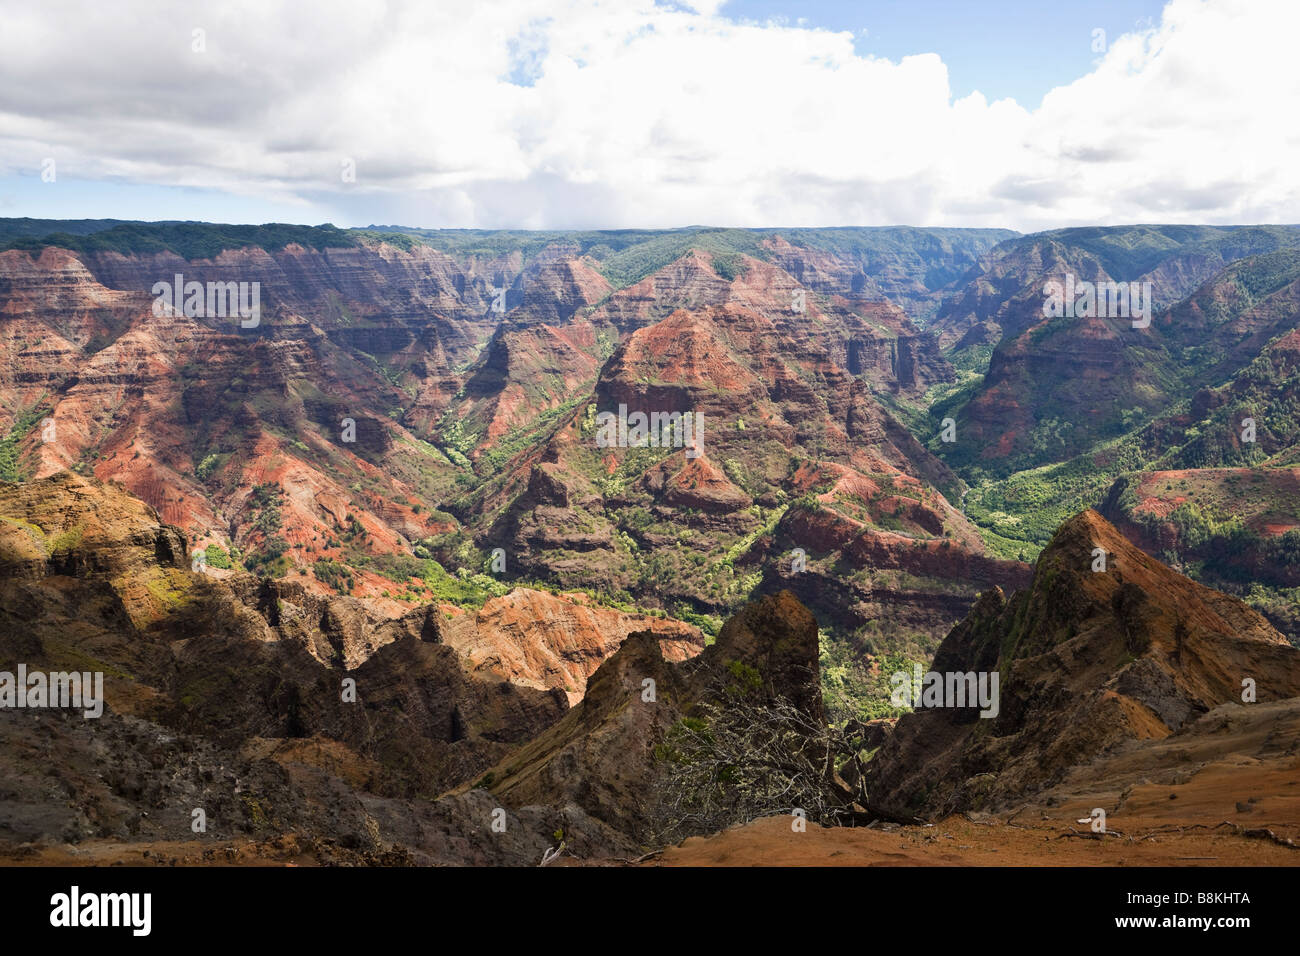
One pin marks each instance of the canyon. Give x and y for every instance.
(365, 580)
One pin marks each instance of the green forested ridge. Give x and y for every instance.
(190, 240)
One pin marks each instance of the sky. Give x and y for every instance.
(556, 114)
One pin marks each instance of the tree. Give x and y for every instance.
(745, 754)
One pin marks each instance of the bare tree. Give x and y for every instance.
(741, 756)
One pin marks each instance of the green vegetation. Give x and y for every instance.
(856, 685)
(264, 501)
(170, 587)
(494, 460)
(1029, 506)
(625, 256)
(210, 465)
(1128, 252)
(271, 560)
(633, 263)
(9, 445)
(190, 240)
(24, 227)
(729, 266)
(66, 540)
(464, 589)
(334, 574)
(708, 623)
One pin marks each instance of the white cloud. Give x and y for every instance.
(626, 113)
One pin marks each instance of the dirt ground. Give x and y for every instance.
(1226, 796)
(1170, 803)
(956, 841)
(960, 842)
(282, 851)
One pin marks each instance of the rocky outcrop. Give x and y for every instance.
(855, 574)
(1058, 386)
(689, 282)
(75, 527)
(696, 484)
(277, 710)
(89, 576)
(534, 639)
(602, 755)
(1088, 660)
(909, 267)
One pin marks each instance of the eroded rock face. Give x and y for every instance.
(535, 639)
(145, 399)
(1058, 386)
(465, 423)
(602, 755)
(913, 276)
(275, 708)
(1087, 661)
(945, 564)
(1267, 500)
(90, 578)
(771, 389)
(73, 526)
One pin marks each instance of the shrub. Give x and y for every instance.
(743, 757)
